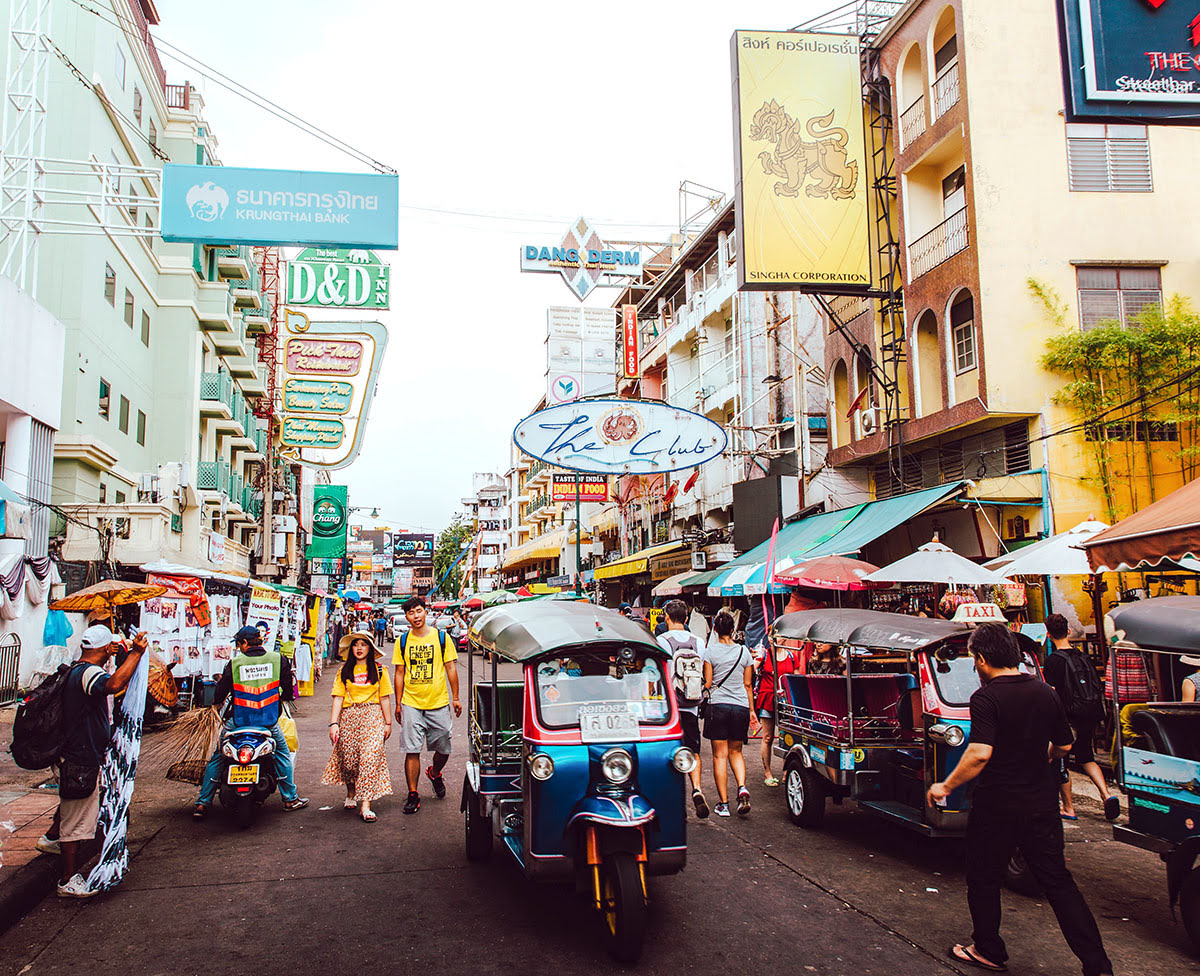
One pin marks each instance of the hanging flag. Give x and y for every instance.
(116, 782)
(691, 482)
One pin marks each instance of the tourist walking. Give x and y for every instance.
(728, 671)
(1074, 677)
(687, 670)
(360, 725)
(776, 662)
(1018, 731)
(426, 688)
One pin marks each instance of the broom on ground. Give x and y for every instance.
(184, 747)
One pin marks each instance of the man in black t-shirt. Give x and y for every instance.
(1018, 732)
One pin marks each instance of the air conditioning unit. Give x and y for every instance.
(868, 421)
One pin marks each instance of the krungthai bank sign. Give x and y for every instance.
(582, 258)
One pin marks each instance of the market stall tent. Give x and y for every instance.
(935, 563)
(1165, 531)
(1059, 555)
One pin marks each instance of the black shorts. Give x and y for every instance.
(691, 729)
(1081, 752)
(728, 722)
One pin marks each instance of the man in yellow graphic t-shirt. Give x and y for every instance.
(426, 687)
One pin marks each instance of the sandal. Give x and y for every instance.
(350, 804)
(770, 781)
(966, 954)
(368, 816)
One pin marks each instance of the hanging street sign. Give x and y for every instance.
(338, 277)
(609, 436)
(592, 488)
(312, 432)
(629, 342)
(582, 258)
(233, 205)
(317, 396)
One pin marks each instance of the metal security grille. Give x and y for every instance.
(41, 460)
(10, 656)
(1108, 158)
(1108, 294)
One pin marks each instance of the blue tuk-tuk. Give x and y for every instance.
(577, 768)
(1159, 758)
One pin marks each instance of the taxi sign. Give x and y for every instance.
(979, 613)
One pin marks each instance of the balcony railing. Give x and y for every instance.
(912, 123)
(940, 244)
(178, 96)
(217, 387)
(945, 91)
(143, 28)
(213, 476)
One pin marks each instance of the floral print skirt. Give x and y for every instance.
(359, 760)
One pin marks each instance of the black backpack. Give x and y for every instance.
(39, 727)
(1083, 691)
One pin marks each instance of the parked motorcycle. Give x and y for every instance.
(247, 771)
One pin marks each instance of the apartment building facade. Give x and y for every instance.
(487, 510)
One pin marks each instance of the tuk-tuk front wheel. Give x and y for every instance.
(805, 794)
(1189, 906)
(624, 906)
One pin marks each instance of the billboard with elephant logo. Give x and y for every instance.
(801, 164)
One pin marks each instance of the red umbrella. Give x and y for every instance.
(524, 591)
(828, 573)
(475, 603)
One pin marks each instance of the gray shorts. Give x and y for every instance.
(418, 726)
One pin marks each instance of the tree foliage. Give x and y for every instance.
(446, 550)
(1135, 394)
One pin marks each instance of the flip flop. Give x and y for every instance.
(350, 805)
(1067, 816)
(368, 816)
(1112, 808)
(960, 953)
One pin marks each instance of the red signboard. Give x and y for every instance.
(629, 329)
(342, 357)
(592, 488)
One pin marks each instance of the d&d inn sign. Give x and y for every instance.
(338, 277)
(620, 436)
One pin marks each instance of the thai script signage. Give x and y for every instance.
(312, 432)
(591, 488)
(1136, 61)
(412, 549)
(800, 162)
(620, 436)
(338, 277)
(629, 342)
(232, 205)
(582, 258)
(317, 396)
(339, 356)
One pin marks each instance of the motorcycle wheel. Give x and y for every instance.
(478, 828)
(244, 811)
(1018, 877)
(805, 795)
(1189, 906)
(624, 907)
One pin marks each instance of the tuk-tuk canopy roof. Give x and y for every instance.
(523, 631)
(866, 628)
(1169, 623)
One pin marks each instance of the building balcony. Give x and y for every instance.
(213, 476)
(945, 91)
(912, 123)
(234, 262)
(232, 343)
(214, 307)
(258, 319)
(246, 291)
(216, 395)
(938, 245)
(250, 376)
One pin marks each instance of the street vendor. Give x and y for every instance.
(254, 703)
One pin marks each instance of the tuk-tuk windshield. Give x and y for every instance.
(634, 680)
(957, 679)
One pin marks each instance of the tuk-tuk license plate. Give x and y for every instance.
(240, 775)
(608, 723)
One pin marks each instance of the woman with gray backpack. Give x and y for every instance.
(687, 671)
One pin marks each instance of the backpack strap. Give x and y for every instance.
(404, 643)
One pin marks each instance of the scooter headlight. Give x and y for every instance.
(541, 766)
(684, 759)
(616, 765)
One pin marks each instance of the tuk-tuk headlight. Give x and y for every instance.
(616, 765)
(952, 735)
(684, 759)
(541, 766)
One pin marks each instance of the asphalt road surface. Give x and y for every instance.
(320, 891)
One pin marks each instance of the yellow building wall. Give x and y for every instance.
(1030, 225)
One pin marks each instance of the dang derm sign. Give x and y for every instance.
(610, 436)
(231, 205)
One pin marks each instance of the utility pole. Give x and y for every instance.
(578, 533)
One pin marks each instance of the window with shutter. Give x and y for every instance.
(1108, 158)
(1114, 294)
(962, 328)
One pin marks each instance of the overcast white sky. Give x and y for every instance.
(544, 111)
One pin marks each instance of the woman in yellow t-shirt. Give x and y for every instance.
(360, 724)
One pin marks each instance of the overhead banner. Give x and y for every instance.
(330, 510)
(582, 258)
(328, 385)
(1135, 60)
(233, 205)
(620, 436)
(800, 163)
(338, 277)
(592, 488)
(413, 549)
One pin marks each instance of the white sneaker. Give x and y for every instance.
(47, 846)
(75, 887)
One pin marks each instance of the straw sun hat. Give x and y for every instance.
(1191, 659)
(345, 642)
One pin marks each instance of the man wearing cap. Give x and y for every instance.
(85, 711)
(255, 701)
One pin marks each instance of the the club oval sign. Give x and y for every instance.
(620, 437)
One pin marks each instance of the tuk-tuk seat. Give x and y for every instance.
(1170, 731)
(820, 704)
(509, 716)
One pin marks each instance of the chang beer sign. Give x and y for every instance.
(338, 277)
(330, 511)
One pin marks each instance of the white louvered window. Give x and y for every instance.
(1108, 158)
(1108, 294)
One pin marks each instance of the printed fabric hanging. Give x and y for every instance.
(116, 782)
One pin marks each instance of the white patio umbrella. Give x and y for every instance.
(1060, 555)
(935, 563)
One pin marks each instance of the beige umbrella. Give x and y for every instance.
(107, 594)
